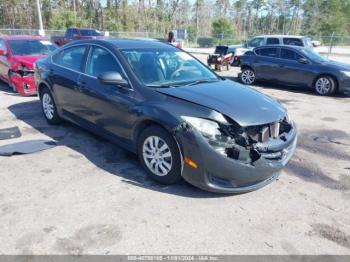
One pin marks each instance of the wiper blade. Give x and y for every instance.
(197, 82)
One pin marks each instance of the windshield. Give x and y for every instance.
(313, 55)
(90, 32)
(31, 47)
(167, 67)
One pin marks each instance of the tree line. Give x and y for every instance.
(218, 18)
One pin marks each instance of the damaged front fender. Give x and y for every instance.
(237, 162)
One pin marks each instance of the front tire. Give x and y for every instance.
(159, 155)
(325, 85)
(247, 76)
(48, 107)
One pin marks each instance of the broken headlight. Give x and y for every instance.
(210, 130)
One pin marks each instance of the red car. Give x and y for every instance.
(17, 57)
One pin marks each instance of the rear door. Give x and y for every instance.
(64, 73)
(292, 71)
(107, 107)
(266, 62)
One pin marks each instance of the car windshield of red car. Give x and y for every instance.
(31, 47)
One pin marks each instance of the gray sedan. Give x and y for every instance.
(296, 66)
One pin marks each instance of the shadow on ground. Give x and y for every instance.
(100, 152)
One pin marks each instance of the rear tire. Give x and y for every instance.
(159, 155)
(325, 85)
(247, 76)
(48, 107)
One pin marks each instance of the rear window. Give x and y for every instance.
(293, 41)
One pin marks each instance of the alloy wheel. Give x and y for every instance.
(48, 106)
(248, 77)
(157, 156)
(323, 85)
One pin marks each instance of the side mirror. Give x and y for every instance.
(112, 78)
(245, 44)
(303, 61)
(3, 52)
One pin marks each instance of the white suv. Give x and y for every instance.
(269, 40)
(279, 40)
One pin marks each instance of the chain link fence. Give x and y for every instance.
(335, 45)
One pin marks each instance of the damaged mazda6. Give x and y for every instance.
(182, 119)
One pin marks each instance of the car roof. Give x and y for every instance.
(138, 43)
(125, 43)
(291, 36)
(23, 37)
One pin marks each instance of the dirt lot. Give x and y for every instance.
(87, 196)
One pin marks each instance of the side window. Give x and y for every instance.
(101, 61)
(270, 52)
(3, 45)
(293, 41)
(289, 54)
(71, 57)
(255, 42)
(272, 41)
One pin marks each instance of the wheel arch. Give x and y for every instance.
(336, 81)
(41, 87)
(141, 125)
(147, 122)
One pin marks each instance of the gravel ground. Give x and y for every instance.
(87, 196)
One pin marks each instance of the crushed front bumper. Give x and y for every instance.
(25, 85)
(217, 172)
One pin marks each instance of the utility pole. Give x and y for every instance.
(41, 27)
(75, 12)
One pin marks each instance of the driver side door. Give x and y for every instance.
(293, 72)
(106, 107)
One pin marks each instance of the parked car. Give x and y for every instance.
(73, 34)
(295, 66)
(222, 57)
(181, 118)
(17, 57)
(270, 40)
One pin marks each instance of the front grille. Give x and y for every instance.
(265, 132)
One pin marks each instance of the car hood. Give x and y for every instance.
(337, 65)
(242, 104)
(26, 60)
